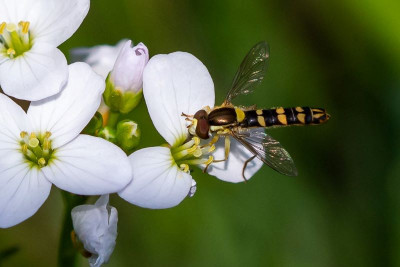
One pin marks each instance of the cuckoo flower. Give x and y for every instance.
(43, 147)
(95, 227)
(30, 31)
(173, 84)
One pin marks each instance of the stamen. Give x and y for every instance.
(25, 148)
(11, 52)
(23, 134)
(2, 27)
(192, 149)
(184, 167)
(42, 162)
(25, 26)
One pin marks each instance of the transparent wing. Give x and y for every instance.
(267, 150)
(251, 72)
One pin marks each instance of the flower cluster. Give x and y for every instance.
(62, 140)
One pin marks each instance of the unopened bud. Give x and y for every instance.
(127, 74)
(128, 135)
(125, 82)
(94, 125)
(108, 134)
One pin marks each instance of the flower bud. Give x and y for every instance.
(128, 135)
(127, 74)
(95, 227)
(94, 125)
(108, 134)
(124, 84)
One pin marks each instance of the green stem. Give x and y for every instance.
(113, 119)
(66, 251)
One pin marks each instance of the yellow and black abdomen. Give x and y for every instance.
(284, 117)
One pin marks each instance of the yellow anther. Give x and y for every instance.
(25, 26)
(196, 140)
(2, 27)
(24, 148)
(46, 144)
(11, 27)
(47, 135)
(11, 51)
(211, 149)
(42, 162)
(33, 142)
(192, 149)
(33, 135)
(210, 160)
(184, 167)
(197, 153)
(23, 134)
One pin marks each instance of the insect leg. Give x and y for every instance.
(227, 149)
(245, 165)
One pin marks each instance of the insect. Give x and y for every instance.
(247, 124)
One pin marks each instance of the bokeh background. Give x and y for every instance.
(342, 209)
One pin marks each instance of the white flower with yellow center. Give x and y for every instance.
(173, 84)
(30, 31)
(43, 147)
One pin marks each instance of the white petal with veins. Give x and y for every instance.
(173, 84)
(157, 182)
(39, 73)
(67, 113)
(89, 166)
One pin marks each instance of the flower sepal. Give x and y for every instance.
(94, 125)
(119, 100)
(108, 133)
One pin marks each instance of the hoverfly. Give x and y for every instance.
(228, 120)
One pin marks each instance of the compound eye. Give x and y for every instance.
(201, 114)
(202, 128)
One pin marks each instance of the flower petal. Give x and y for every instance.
(13, 121)
(157, 182)
(173, 84)
(89, 166)
(96, 227)
(54, 21)
(231, 170)
(23, 189)
(101, 57)
(39, 73)
(67, 113)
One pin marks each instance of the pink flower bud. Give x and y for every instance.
(127, 74)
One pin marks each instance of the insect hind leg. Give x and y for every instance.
(245, 165)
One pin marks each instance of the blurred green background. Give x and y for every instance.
(342, 209)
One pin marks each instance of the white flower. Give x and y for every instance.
(127, 74)
(101, 57)
(173, 84)
(96, 227)
(31, 66)
(43, 147)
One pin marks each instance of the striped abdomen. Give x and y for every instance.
(284, 117)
